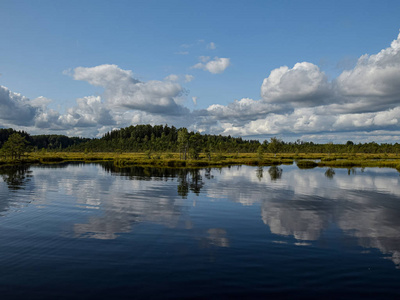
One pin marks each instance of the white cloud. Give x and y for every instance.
(16, 109)
(125, 101)
(204, 58)
(90, 111)
(188, 78)
(172, 77)
(242, 110)
(107, 76)
(50, 119)
(304, 84)
(301, 101)
(216, 66)
(122, 90)
(41, 102)
(211, 46)
(375, 75)
(374, 83)
(362, 103)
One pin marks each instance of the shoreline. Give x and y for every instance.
(302, 160)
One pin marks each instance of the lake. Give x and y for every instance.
(93, 231)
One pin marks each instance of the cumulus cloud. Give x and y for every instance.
(307, 120)
(104, 75)
(302, 101)
(90, 112)
(241, 110)
(16, 109)
(304, 84)
(122, 90)
(34, 115)
(125, 101)
(299, 101)
(41, 102)
(216, 66)
(374, 76)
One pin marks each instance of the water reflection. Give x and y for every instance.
(302, 204)
(189, 179)
(275, 173)
(294, 219)
(260, 173)
(130, 205)
(305, 204)
(330, 173)
(143, 195)
(16, 177)
(215, 237)
(376, 224)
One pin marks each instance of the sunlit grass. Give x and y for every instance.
(303, 160)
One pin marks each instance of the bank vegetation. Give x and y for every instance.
(166, 146)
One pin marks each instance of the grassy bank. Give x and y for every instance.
(303, 160)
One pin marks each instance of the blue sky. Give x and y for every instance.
(314, 70)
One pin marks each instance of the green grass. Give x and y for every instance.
(158, 159)
(306, 164)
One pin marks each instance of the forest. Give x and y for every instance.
(163, 138)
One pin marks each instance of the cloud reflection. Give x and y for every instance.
(139, 195)
(215, 237)
(303, 203)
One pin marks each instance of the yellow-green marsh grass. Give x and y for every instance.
(342, 160)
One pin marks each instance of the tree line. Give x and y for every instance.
(159, 138)
(42, 141)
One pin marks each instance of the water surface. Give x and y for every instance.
(91, 231)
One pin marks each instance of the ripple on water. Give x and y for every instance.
(86, 231)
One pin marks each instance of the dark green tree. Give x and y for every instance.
(15, 146)
(260, 152)
(275, 145)
(183, 142)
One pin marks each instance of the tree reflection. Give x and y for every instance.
(142, 173)
(207, 173)
(16, 176)
(183, 185)
(189, 179)
(260, 173)
(351, 171)
(330, 173)
(275, 173)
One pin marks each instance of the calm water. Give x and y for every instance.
(93, 231)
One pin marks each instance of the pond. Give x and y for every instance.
(91, 231)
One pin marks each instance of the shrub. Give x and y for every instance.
(306, 164)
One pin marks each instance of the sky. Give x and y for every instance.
(311, 70)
